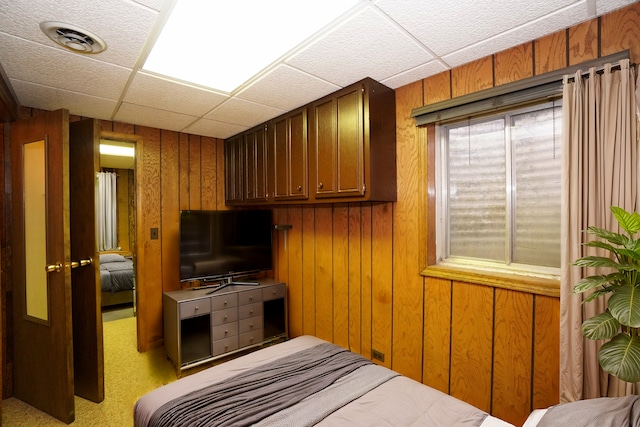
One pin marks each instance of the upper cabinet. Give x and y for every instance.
(288, 157)
(340, 148)
(245, 158)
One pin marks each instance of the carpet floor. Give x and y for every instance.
(128, 375)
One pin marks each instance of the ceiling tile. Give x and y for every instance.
(48, 98)
(367, 45)
(153, 4)
(464, 22)
(244, 113)
(286, 88)
(122, 24)
(214, 129)
(418, 73)
(36, 63)
(152, 91)
(152, 117)
(605, 6)
(550, 24)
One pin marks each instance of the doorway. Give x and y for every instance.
(115, 210)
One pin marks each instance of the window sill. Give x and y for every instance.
(515, 282)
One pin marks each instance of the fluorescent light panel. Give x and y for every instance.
(117, 150)
(222, 44)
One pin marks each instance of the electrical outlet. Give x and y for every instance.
(378, 355)
(154, 234)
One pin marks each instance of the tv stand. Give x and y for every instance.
(227, 284)
(201, 326)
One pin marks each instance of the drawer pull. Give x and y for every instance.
(226, 332)
(195, 309)
(250, 311)
(225, 303)
(225, 317)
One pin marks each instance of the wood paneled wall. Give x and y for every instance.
(174, 171)
(353, 270)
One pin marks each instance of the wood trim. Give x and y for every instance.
(516, 282)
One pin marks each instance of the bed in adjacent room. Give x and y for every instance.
(116, 279)
(304, 381)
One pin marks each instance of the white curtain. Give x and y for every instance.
(107, 211)
(599, 171)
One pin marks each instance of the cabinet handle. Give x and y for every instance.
(299, 188)
(320, 186)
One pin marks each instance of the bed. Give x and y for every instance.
(301, 382)
(116, 279)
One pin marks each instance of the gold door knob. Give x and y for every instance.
(57, 267)
(81, 263)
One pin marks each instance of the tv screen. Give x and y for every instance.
(220, 244)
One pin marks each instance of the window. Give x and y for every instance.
(499, 190)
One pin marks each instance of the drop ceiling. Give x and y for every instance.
(393, 41)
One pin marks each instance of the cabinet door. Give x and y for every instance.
(255, 165)
(338, 141)
(233, 169)
(289, 157)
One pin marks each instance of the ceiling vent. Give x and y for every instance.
(72, 37)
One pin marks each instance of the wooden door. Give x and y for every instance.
(288, 156)
(233, 169)
(88, 356)
(255, 165)
(338, 141)
(43, 353)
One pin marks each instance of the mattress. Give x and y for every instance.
(391, 400)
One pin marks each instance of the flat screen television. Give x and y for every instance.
(216, 245)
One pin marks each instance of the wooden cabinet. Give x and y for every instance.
(234, 169)
(246, 167)
(288, 157)
(352, 143)
(201, 325)
(340, 148)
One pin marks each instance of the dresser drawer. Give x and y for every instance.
(250, 310)
(195, 308)
(225, 345)
(221, 332)
(222, 317)
(250, 338)
(250, 324)
(224, 301)
(248, 297)
(274, 292)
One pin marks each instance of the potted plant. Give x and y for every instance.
(620, 322)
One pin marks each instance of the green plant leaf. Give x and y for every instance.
(598, 294)
(596, 261)
(615, 238)
(602, 245)
(621, 357)
(624, 305)
(630, 222)
(590, 282)
(602, 326)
